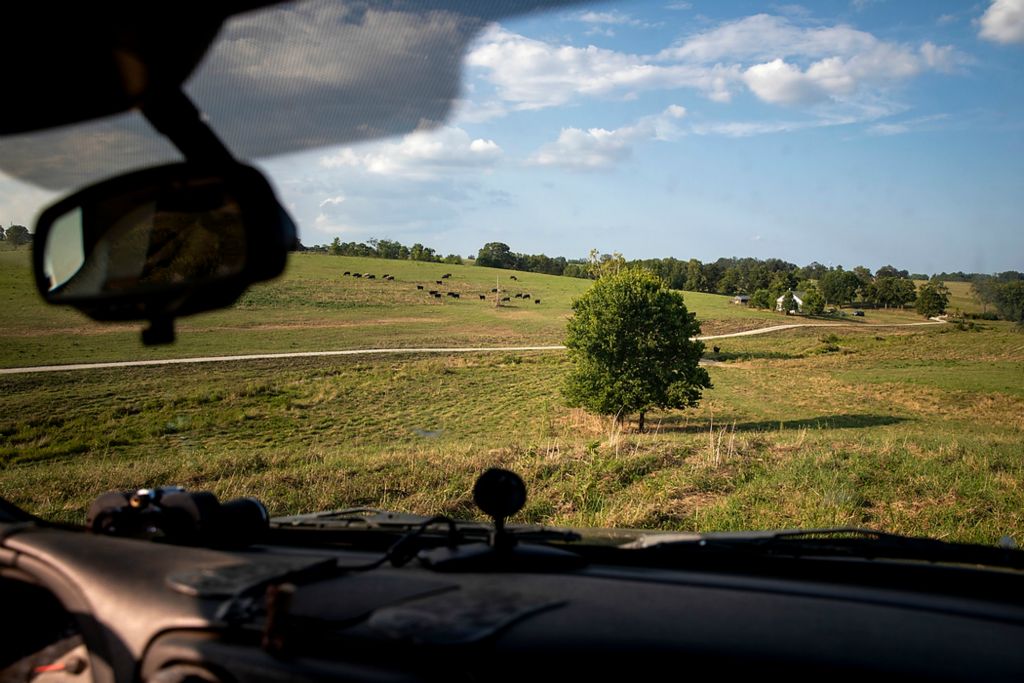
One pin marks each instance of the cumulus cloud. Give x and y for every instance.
(333, 201)
(533, 74)
(597, 148)
(778, 59)
(420, 154)
(1003, 22)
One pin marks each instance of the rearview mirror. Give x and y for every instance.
(161, 243)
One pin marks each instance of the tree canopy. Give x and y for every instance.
(932, 299)
(629, 341)
(18, 235)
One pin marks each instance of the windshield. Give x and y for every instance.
(689, 266)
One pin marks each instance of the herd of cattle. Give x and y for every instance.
(525, 296)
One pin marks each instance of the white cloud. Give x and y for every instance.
(333, 201)
(420, 154)
(781, 83)
(901, 127)
(764, 37)
(613, 17)
(1003, 22)
(533, 74)
(597, 148)
(778, 60)
(888, 129)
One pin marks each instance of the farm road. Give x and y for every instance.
(369, 352)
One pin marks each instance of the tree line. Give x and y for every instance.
(378, 248)
(763, 280)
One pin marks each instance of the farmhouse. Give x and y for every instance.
(798, 298)
(741, 299)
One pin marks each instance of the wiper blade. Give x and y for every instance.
(850, 542)
(383, 520)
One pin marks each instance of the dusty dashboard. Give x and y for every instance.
(154, 611)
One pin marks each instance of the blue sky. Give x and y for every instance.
(864, 132)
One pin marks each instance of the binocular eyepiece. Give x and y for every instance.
(175, 515)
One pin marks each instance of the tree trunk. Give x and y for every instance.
(640, 426)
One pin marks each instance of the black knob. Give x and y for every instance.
(499, 493)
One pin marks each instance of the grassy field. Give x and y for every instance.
(313, 307)
(913, 430)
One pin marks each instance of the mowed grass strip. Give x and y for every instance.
(782, 440)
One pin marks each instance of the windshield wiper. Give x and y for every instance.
(838, 542)
(372, 519)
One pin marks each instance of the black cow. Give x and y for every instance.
(513, 277)
(432, 292)
(483, 296)
(437, 295)
(446, 276)
(715, 349)
(506, 299)
(371, 277)
(357, 274)
(438, 282)
(494, 290)
(536, 301)
(419, 286)
(346, 273)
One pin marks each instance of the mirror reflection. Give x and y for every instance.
(187, 234)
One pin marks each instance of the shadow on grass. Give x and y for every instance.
(679, 423)
(751, 355)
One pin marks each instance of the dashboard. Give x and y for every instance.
(83, 607)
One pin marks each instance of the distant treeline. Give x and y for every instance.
(383, 249)
(760, 278)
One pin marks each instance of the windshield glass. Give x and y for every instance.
(689, 266)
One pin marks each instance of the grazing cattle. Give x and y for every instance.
(519, 296)
(536, 301)
(419, 286)
(438, 282)
(437, 295)
(346, 273)
(483, 296)
(455, 295)
(446, 276)
(386, 276)
(357, 274)
(494, 290)
(513, 277)
(506, 298)
(526, 296)
(370, 277)
(432, 292)
(715, 349)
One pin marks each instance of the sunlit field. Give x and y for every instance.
(907, 429)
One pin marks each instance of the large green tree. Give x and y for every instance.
(629, 341)
(18, 235)
(814, 302)
(932, 299)
(696, 281)
(762, 298)
(839, 286)
(496, 255)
